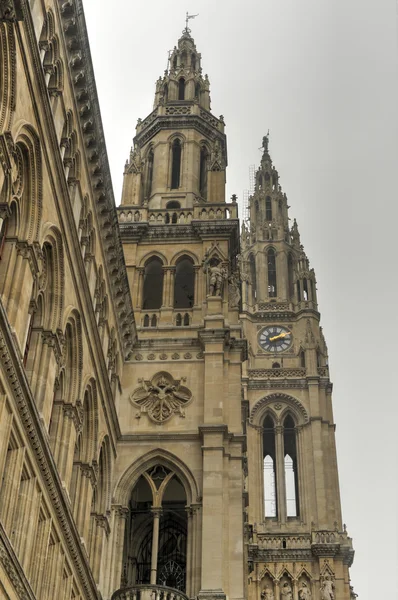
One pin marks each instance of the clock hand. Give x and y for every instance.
(279, 336)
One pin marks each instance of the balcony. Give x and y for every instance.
(148, 591)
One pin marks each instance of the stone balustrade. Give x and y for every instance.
(148, 592)
(178, 216)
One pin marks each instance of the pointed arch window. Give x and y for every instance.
(298, 287)
(203, 172)
(165, 93)
(153, 284)
(184, 284)
(290, 463)
(290, 275)
(176, 164)
(305, 289)
(181, 89)
(253, 278)
(271, 261)
(149, 174)
(268, 208)
(269, 469)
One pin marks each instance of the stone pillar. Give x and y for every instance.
(37, 570)
(197, 269)
(114, 556)
(66, 423)
(280, 474)
(20, 292)
(155, 544)
(139, 286)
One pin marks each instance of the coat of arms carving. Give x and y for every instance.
(161, 397)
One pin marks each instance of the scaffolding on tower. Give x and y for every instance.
(248, 193)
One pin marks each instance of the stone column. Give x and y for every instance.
(113, 564)
(155, 544)
(139, 286)
(280, 474)
(197, 269)
(20, 292)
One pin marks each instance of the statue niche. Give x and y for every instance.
(216, 275)
(161, 397)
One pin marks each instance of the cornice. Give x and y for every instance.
(30, 419)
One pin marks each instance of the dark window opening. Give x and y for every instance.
(181, 89)
(149, 174)
(28, 340)
(3, 234)
(153, 284)
(271, 273)
(178, 320)
(186, 319)
(298, 291)
(318, 360)
(268, 209)
(193, 61)
(276, 365)
(166, 93)
(291, 475)
(146, 321)
(269, 464)
(253, 277)
(184, 284)
(175, 62)
(302, 359)
(173, 204)
(290, 275)
(283, 543)
(174, 218)
(167, 218)
(154, 321)
(176, 164)
(197, 90)
(203, 173)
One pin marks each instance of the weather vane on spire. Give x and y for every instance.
(186, 30)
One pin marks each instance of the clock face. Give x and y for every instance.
(275, 338)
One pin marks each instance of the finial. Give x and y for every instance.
(187, 18)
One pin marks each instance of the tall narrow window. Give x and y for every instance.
(268, 209)
(271, 260)
(193, 61)
(184, 284)
(203, 172)
(290, 275)
(153, 284)
(149, 174)
(166, 93)
(291, 475)
(302, 359)
(298, 290)
(181, 89)
(3, 233)
(176, 164)
(197, 90)
(269, 466)
(253, 277)
(305, 289)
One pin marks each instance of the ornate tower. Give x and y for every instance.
(296, 542)
(180, 463)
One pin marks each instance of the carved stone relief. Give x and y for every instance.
(161, 397)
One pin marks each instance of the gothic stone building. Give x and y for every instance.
(185, 450)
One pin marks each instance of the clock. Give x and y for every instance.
(275, 338)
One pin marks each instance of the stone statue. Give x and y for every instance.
(267, 593)
(286, 591)
(304, 592)
(265, 143)
(245, 235)
(217, 275)
(233, 291)
(327, 589)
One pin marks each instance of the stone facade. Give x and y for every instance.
(190, 455)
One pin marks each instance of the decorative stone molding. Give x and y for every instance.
(13, 569)
(161, 397)
(260, 407)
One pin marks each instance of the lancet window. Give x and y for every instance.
(253, 278)
(153, 284)
(181, 89)
(184, 283)
(280, 469)
(268, 208)
(271, 260)
(175, 164)
(203, 172)
(155, 546)
(149, 174)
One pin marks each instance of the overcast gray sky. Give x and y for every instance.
(322, 76)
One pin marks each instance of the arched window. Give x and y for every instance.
(178, 320)
(269, 467)
(174, 218)
(176, 164)
(290, 275)
(298, 290)
(181, 89)
(268, 208)
(175, 61)
(302, 359)
(149, 174)
(276, 365)
(166, 93)
(146, 321)
(173, 204)
(203, 172)
(193, 61)
(271, 260)
(197, 90)
(153, 284)
(154, 321)
(291, 475)
(186, 319)
(184, 283)
(253, 277)
(305, 289)
(3, 234)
